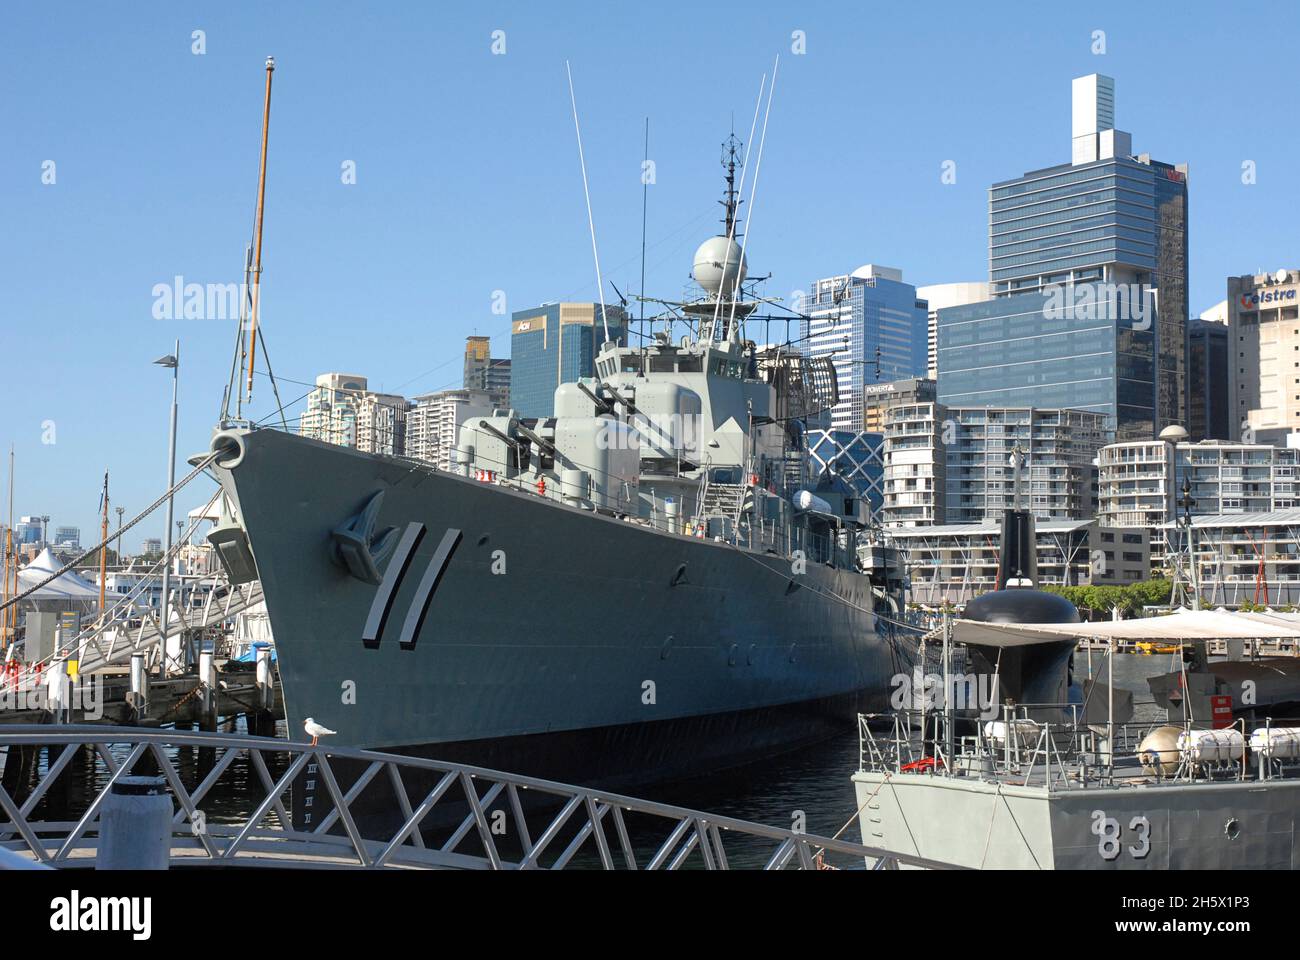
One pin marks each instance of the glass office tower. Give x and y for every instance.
(1088, 268)
(872, 327)
(1209, 412)
(553, 344)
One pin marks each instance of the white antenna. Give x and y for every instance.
(753, 189)
(731, 233)
(591, 223)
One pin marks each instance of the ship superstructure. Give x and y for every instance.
(644, 586)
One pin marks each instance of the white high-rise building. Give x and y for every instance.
(872, 326)
(939, 296)
(341, 410)
(952, 465)
(1092, 121)
(1264, 356)
(381, 423)
(914, 464)
(1223, 478)
(434, 420)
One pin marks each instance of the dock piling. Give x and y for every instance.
(139, 693)
(208, 678)
(266, 696)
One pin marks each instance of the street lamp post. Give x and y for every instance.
(173, 363)
(1187, 502)
(1171, 436)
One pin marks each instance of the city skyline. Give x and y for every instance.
(388, 275)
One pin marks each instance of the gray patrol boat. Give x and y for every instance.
(647, 586)
(1034, 778)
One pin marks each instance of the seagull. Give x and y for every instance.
(316, 730)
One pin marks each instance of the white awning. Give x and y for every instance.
(69, 586)
(1175, 627)
(1273, 616)
(212, 512)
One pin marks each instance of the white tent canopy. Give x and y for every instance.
(202, 512)
(1273, 616)
(1176, 627)
(70, 586)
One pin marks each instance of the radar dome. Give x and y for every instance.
(719, 265)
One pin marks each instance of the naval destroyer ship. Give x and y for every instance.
(647, 586)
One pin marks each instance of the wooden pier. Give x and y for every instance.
(208, 698)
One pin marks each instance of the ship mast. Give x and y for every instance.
(720, 267)
(257, 230)
(251, 302)
(731, 197)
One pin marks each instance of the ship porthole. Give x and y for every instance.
(483, 540)
(749, 657)
(666, 649)
(731, 654)
(1232, 829)
(792, 646)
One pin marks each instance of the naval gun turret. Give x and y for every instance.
(586, 460)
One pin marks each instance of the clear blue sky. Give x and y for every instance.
(468, 182)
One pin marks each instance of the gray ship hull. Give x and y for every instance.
(554, 640)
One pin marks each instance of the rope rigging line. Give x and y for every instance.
(202, 465)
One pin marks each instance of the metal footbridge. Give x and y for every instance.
(113, 644)
(57, 780)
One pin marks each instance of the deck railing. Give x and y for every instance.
(1066, 753)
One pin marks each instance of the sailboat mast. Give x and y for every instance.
(257, 230)
(645, 203)
(103, 551)
(11, 562)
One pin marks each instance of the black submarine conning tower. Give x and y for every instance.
(1032, 673)
(1018, 559)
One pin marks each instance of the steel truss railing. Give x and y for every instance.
(590, 828)
(221, 603)
(1049, 754)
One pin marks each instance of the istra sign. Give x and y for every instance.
(1251, 300)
